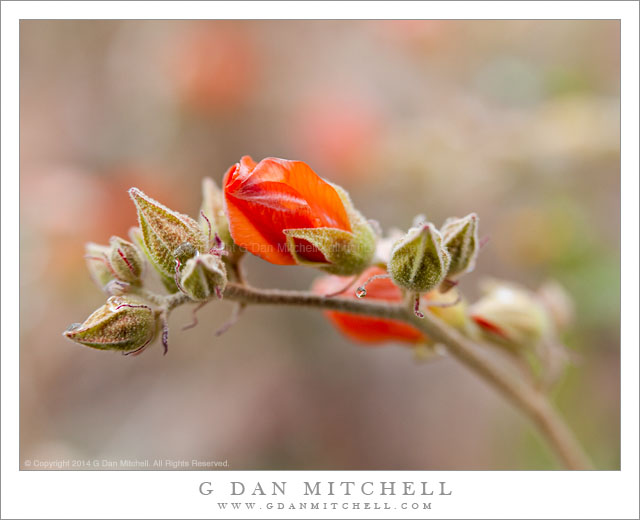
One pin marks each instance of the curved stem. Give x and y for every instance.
(527, 398)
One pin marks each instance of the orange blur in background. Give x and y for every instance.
(517, 121)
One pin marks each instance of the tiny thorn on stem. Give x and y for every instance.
(195, 317)
(416, 306)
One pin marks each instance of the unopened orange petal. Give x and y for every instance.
(266, 198)
(242, 229)
(323, 200)
(246, 235)
(248, 162)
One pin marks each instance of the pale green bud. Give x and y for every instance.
(97, 257)
(164, 230)
(511, 316)
(203, 277)
(135, 234)
(124, 324)
(126, 260)
(460, 237)
(419, 261)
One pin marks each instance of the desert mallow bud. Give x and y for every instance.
(97, 257)
(203, 277)
(419, 261)
(460, 237)
(286, 214)
(135, 234)
(511, 316)
(164, 230)
(125, 259)
(124, 324)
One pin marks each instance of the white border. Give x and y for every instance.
(174, 495)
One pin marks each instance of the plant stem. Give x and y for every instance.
(528, 399)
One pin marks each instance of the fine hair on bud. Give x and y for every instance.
(203, 277)
(124, 324)
(419, 261)
(164, 230)
(126, 260)
(460, 237)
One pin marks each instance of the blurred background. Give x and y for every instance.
(515, 120)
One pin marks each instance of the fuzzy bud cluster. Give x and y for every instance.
(286, 214)
(183, 252)
(425, 257)
(179, 248)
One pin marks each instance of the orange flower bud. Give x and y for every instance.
(362, 328)
(283, 212)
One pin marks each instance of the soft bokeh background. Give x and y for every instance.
(516, 120)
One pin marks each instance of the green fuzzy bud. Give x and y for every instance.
(124, 324)
(97, 257)
(135, 234)
(164, 230)
(460, 237)
(203, 277)
(419, 261)
(126, 260)
(347, 253)
(213, 219)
